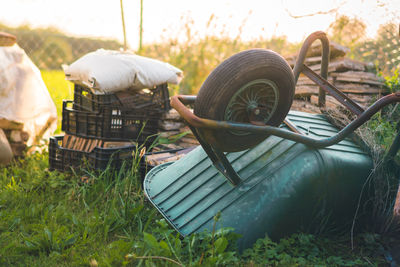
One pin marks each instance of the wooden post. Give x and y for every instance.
(123, 24)
(141, 26)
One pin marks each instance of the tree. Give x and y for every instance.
(347, 31)
(383, 50)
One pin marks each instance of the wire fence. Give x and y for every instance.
(50, 48)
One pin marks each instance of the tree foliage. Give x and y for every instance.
(347, 31)
(383, 50)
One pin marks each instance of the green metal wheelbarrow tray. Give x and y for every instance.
(262, 176)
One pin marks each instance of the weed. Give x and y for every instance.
(51, 218)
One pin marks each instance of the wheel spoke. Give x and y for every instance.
(255, 101)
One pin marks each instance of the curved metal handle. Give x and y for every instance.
(298, 67)
(195, 121)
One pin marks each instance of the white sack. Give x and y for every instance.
(110, 71)
(23, 95)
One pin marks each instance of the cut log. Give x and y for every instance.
(185, 145)
(331, 102)
(158, 161)
(309, 61)
(305, 106)
(336, 50)
(18, 136)
(357, 74)
(172, 146)
(172, 114)
(303, 80)
(18, 149)
(306, 91)
(66, 141)
(341, 65)
(356, 88)
(357, 77)
(353, 88)
(314, 54)
(362, 99)
(114, 144)
(168, 134)
(187, 140)
(169, 125)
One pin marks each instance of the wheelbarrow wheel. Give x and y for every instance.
(254, 86)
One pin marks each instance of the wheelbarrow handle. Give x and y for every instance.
(299, 65)
(177, 102)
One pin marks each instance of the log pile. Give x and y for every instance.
(175, 130)
(179, 140)
(349, 76)
(16, 137)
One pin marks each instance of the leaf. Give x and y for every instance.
(224, 231)
(221, 244)
(165, 247)
(70, 241)
(48, 233)
(151, 240)
(29, 244)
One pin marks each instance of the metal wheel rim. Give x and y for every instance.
(255, 101)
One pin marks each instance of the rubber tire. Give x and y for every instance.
(232, 74)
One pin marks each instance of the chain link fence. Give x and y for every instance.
(50, 48)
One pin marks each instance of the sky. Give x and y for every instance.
(102, 18)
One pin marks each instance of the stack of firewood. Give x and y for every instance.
(16, 137)
(349, 76)
(174, 129)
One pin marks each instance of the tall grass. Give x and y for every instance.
(59, 89)
(103, 219)
(197, 56)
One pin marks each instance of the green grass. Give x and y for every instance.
(53, 219)
(59, 89)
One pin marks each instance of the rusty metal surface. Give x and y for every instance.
(333, 91)
(269, 130)
(298, 67)
(203, 126)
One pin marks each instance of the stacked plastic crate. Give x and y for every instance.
(102, 129)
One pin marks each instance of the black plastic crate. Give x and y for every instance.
(64, 159)
(111, 123)
(149, 99)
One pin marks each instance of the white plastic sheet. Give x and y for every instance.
(23, 95)
(108, 71)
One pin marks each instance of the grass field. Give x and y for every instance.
(59, 89)
(54, 219)
(103, 219)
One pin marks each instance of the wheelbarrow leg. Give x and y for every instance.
(218, 159)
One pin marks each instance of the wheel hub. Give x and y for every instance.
(255, 103)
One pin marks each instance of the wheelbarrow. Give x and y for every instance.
(261, 175)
